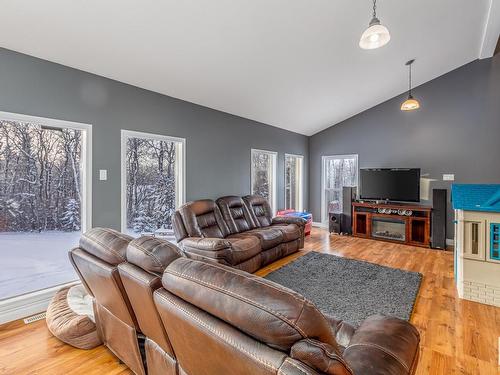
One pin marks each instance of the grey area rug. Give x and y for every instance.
(350, 289)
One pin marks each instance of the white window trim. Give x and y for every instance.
(34, 302)
(300, 193)
(324, 219)
(180, 168)
(274, 156)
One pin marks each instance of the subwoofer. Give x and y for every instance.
(438, 222)
(334, 222)
(348, 197)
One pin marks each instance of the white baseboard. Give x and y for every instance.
(28, 304)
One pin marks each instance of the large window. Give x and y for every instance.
(44, 200)
(263, 175)
(152, 182)
(338, 171)
(293, 182)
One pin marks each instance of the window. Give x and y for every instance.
(293, 182)
(338, 171)
(152, 182)
(263, 175)
(44, 200)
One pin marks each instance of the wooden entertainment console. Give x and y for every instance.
(401, 223)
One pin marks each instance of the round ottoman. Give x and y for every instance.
(70, 318)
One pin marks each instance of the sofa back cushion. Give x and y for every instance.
(268, 312)
(202, 218)
(260, 210)
(235, 213)
(147, 258)
(96, 262)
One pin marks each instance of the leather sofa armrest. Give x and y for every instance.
(383, 345)
(208, 244)
(289, 220)
(212, 249)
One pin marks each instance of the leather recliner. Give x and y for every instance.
(230, 233)
(141, 275)
(96, 261)
(221, 320)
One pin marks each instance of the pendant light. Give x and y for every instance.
(410, 104)
(376, 35)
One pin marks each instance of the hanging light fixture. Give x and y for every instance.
(410, 104)
(376, 35)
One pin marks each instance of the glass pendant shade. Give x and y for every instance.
(410, 104)
(375, 36)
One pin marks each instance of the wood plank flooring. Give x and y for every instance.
(458, 337)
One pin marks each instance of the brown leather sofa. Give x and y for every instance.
(194, 317)
(238, 232)
(221, 320)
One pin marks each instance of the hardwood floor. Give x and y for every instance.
(457, 336)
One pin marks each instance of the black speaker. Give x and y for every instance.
(348, 197)
(438, 222)
(334, 222)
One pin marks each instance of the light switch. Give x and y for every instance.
(448, 177)
(103, 174)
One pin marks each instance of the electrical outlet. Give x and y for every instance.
(103, 174)
(448, 177)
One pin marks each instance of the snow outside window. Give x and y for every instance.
(293, 182)
(263, 175)
(152, 182)
(338, 171)
(44, 200)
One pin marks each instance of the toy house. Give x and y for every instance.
(477, 242)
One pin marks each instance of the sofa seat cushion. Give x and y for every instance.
(290, 232)
(268, 237)
(243, 248)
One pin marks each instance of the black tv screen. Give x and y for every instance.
(390, 184)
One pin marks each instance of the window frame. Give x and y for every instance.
(23, 305)
(324, 158)
(180, 168)
(274, 158)
(300, 193)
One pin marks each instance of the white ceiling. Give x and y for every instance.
(294, 64)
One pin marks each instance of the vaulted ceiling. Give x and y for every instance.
(294, 64)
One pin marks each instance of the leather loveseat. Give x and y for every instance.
(238, 232)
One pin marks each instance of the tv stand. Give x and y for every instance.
(394, 222)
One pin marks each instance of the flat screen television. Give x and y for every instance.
(398, 184)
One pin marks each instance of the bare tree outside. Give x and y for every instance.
(151, 184)
(293, 177)
(263, 170)
(39, 178)
(40, 205)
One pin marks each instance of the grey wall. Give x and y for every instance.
(456, 130)
(217, 144)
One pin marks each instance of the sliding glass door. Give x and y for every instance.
(337, 171)
(44, 200)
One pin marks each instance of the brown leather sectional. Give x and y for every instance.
(237, 232)
(161, 312)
